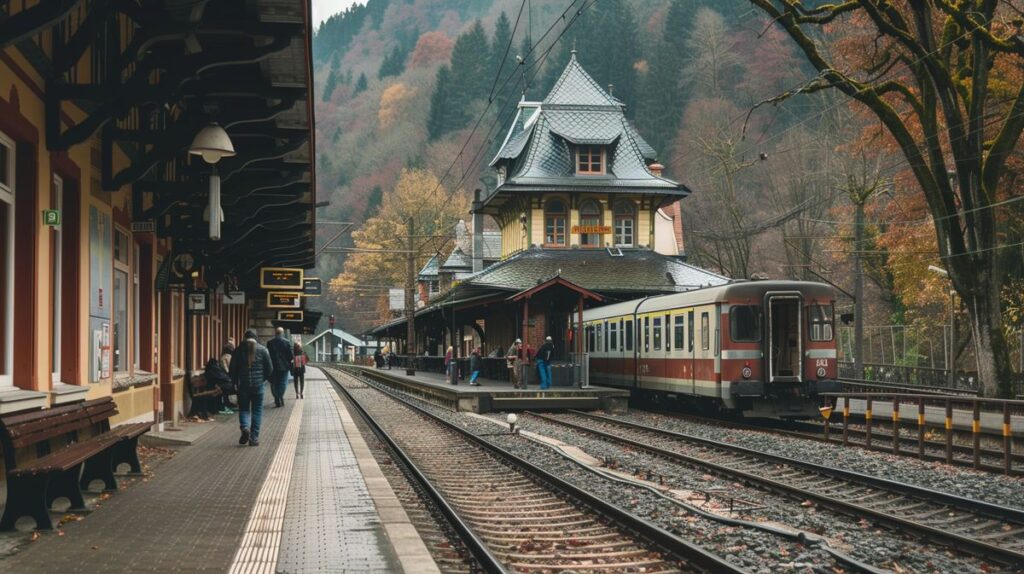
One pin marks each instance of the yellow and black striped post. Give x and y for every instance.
(895, 425)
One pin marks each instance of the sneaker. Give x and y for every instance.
(245, 437)
(254, 442)
(227, 411)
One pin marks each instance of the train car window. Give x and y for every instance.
(745, 323)
(606, 336)
(689, 331)
(819, 319)
(590, 338)
(647, 334)
(705, 332)
(613, 335)
(668, 333)
(678, 335)
(628, 335)
(657, 333)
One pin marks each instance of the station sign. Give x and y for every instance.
(592, 229)
(281, 278)
(198, 302)
(312, 286)
(51, 217)
(292, 316)
(234, 298)
(283, 300)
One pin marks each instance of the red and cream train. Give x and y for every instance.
(763, 348)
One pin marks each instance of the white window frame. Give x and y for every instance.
(136, 340)
(7, 196)
(124, 364)
(57, 268)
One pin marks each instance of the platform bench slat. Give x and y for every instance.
(63, 469)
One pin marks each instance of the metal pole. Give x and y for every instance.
(858, 292)
(952, 338)
(410, 307)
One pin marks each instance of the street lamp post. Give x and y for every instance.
(951, 356)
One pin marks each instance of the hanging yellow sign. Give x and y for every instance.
(592, 229)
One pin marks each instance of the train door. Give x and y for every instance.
(785, 340)
(691, 356)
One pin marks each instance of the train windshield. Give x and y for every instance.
(745, 323)
(819, 322)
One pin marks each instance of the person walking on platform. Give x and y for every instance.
(250, 367)
(282, 357)
(450, 366)
(378, 359)
(475, 361)
(544, 354)
(514, 360)
(299, 370)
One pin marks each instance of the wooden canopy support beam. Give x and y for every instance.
(31, 21)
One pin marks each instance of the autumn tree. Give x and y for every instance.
(924, 70)
(379, 259)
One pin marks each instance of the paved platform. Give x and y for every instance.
(297, 503)
(494, 395)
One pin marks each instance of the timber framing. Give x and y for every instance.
(144, 78)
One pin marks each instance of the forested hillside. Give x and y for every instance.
(404, 83)
(424, 89)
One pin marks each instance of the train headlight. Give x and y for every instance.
(746, 372)
(821, 372)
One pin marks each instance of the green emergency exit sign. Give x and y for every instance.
(51, 217)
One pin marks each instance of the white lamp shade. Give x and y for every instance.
(213, 143)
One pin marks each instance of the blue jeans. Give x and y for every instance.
(250, 410)
(473, 376)
(544, 372)
(278, 384)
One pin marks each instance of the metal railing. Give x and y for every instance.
(979, 416)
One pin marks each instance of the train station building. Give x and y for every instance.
(127, 248)
(585, 217)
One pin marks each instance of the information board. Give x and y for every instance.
(283, 300)
(281, 278)
(312, 286)
(295, 316)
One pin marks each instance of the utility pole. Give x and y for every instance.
(410, 307)
(858, 288)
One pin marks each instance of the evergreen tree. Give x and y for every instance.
(393, 64)
(440, 103)
(373, 202)
(664, 95)
(361, 85)
(330, 85)
(502, 61)
(470, 58)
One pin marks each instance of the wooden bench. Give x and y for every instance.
(56, 470)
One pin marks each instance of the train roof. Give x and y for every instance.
(734, 292)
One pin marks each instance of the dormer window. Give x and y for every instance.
(590, 160)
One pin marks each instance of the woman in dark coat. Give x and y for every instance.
(299, 371)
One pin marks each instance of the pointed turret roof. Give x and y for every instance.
(538, 153)
(576, 88)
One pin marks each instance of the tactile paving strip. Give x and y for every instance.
(331, 523)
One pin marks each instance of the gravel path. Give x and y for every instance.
(969, 483)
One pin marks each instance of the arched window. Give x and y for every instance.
(555, 215)
(590, 216)
(625, 224)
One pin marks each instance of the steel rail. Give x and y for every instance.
(686, 551)
(978, 547)
(477, 547)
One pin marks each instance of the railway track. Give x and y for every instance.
(510, 514)
(993, 532)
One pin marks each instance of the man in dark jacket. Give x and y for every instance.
(250, 367)
(544, 354)
(282, 357)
